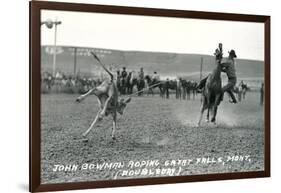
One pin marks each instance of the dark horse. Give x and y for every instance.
(131, 81)
(188, 88)
(158, 84)
(169, 85)
(163, 85)
(211, 94)
(193, 88)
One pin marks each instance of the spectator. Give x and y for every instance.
(155, 76)
(141, 74)
(262, 94)
(124, 73)
(167, 86)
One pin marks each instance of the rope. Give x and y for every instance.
(144, 89)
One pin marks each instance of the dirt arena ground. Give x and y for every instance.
(150, 129)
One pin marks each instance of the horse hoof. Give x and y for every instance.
(84, 135)
(113, 138)
(214, 122)
(207, 120)
(85, 139)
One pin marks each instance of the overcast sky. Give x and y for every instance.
(160, 34)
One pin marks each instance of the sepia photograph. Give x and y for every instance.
(134, 96)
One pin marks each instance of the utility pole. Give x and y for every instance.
(201, 68)
(55, 50)
(75, 61)
(49, 24)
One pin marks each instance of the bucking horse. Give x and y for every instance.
(211, 94)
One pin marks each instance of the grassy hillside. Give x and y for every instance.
(166, 64)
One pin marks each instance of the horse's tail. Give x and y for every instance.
(103, 66)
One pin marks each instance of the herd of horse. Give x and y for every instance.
(181, 87)
(128, 85)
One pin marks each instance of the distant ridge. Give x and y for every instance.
(166, 64)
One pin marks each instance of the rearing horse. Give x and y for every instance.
(212, 94)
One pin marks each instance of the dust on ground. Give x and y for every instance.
(151, 128)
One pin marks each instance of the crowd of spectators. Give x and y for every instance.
(62, 83)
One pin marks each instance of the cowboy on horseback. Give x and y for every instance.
(124, 75)
(155, 77)
(229, 68)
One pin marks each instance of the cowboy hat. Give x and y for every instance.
(232, 53)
